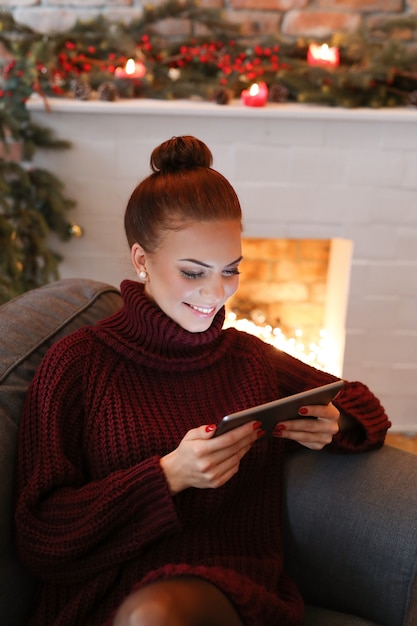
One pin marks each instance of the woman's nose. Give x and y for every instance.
(214, 288)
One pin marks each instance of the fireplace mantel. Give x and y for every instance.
(234, 109)
(301, 171)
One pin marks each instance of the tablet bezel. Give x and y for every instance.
(271, 413)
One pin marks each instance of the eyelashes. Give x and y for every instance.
(191, 275)
(196, 275)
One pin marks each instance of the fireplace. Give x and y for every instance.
(303, 174)
(288, 295)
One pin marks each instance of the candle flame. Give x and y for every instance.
(323, 54)
(254, 90)
(130, 66)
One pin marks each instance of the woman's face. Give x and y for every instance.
(193, 272)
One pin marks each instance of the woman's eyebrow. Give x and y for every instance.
(209, 266)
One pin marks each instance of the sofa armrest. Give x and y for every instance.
(351, 532)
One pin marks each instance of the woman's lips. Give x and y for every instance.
(202, 310)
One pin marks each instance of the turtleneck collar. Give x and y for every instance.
(142, 328)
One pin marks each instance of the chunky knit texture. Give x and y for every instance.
(94, 516)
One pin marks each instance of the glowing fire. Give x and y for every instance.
(319, 354)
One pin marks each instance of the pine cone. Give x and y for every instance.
(278, 93)
(221, 96)
(107, 91)
(81, 89)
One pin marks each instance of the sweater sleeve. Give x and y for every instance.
(369, 420)
(69, 527)
(356, 400)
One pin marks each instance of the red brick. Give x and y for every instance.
(314, 249)
(412, 6)
(360, 5)
(254, 23)
(270, 249)
(268, 5)
(319, 23)
(211, 4)
(87, 3)
(255, 270)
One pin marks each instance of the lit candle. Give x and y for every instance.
(128, 79)
(323, 55)
(132, 69)
(256, 96)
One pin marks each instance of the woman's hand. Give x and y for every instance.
(203, 462)
(311, 433)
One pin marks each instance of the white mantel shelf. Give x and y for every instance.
(301, 171)
(234, 109)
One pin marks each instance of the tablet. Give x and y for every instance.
(280, 410)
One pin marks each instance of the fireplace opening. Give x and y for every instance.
(294, 293)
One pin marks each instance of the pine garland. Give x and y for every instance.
(371, 73)
(214, 54)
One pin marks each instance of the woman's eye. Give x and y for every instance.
(191, 275)
(232, 272)
(195, 275)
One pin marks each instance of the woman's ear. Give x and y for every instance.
(138, 256)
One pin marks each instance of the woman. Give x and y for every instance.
(129, 511)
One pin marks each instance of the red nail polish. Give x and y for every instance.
(257, 425)
(210, 428)
(278, 430)
(260, 433)
(303, 410)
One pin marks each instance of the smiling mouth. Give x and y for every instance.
(202, 309)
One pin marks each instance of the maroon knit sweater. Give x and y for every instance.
(94, 516)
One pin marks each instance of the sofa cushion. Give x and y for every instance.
(29, 325)
(315, 616)
(363, 561)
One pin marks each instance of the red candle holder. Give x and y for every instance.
(132, 69)
(255, 96)
(128, 79)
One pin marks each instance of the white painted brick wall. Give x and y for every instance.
(303, 172)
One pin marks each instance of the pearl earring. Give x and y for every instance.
(143, 275)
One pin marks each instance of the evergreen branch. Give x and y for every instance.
(408, 22)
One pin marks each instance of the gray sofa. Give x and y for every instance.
(351, 520)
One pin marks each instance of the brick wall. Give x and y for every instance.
(284, 284)
(293, 18)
